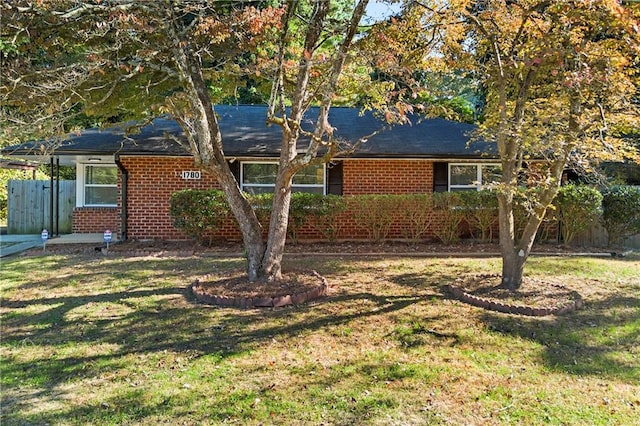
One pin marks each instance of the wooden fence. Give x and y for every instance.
(29, 206)
(597, 237)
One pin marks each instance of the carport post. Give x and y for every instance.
(51, 197)
(57, 197)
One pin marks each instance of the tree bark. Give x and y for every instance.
(272, 262)
(512, 268)
(515, 249)
(203, 134)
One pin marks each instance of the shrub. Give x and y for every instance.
(578, 207)
(198, 212)
(325, 215)
(417, 210)
(481, 212)
(450, 210)
(621, 212)
(321, 210)
(374, 213)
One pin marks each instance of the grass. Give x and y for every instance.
(116, 340)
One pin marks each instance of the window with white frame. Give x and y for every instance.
(97, 185)
(260, 178)
(473, 177)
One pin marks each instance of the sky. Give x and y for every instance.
(378, 10)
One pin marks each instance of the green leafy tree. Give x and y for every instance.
(130, 59)
(559, 80)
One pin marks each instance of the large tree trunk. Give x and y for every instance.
(517, 248)
(248, 223)
(512, 264)
(272, 262)
(203, 134)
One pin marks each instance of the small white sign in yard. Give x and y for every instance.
(107, 238)
(45, 237)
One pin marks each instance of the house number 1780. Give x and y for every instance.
(191, 174)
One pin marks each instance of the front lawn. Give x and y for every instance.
(116, 340)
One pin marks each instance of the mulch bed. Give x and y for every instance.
(189, 248)
(294, 288)
(534, 298)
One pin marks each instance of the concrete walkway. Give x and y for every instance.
(12, 244)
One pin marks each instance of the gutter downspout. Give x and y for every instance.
(124, 216)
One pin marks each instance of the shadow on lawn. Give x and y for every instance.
(601, 339)
(167, 320)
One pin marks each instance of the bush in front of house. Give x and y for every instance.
(262, 205)
(198, 212)
(374, 213)
(578, 208)
(450, 211)
(303, 206)
(621, 212)
(306, 208)
(481, 213)
(325, 211)
(417, 212)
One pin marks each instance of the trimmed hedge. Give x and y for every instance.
(198, 212)
(578, 208)
(621, 212)
(443, 215)
(481, 213)
(374, 213)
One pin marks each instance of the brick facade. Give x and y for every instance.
(152, 180)
(387, 176)
(91, 220)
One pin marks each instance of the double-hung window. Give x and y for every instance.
(260, 178)
(98, 185)
(473, 177)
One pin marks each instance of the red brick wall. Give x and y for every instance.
(387, 176)
(91, 220)
(382, 176)
(152, 180)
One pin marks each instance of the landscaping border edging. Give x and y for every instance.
(259, 301)
(459, 293)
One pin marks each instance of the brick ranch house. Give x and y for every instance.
(124, 182)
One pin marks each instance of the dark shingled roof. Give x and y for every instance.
(246, 134)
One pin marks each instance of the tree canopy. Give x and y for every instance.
(556, 82)
(560, 83)
(67, 62)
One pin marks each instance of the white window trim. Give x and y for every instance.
(81, 184)
(257, 185)
(479, 185)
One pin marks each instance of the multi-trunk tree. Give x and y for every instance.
(559, 80)
(64, 61)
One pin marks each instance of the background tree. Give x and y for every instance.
(115, 60)
(559, 83)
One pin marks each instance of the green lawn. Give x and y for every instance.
(116, 340)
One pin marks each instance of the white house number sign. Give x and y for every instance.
(191, 174)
